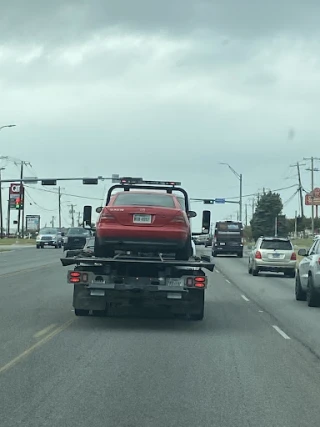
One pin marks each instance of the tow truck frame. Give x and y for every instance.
(103, 284)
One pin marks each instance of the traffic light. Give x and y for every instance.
(19, 203)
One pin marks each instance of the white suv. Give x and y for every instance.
(274, 254)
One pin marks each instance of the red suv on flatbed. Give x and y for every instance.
(144, 220)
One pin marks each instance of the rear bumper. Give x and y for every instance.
(280, 267)
(227, 249)
(141, 243)
(177, 299)
(129, 237)
(71, 246)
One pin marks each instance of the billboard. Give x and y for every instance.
(14, 195)
(316, 198)
(32, 223)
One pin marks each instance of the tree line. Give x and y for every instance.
(269, 218)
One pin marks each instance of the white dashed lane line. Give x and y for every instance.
(280, 331)
(245, 298)
(228, 281)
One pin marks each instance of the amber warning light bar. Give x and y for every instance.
(129, 180)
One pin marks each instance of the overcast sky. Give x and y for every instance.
(162, 90)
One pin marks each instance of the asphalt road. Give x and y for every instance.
(236, 368)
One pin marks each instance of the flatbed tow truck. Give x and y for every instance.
(103, 284)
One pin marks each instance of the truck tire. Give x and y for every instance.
(102, 251)
(199, 297)
(80, 312)
(184, 253)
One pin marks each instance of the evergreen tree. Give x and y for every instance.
(269, 208)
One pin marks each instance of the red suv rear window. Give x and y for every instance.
(141, 199)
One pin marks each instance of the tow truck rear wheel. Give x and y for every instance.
(198, 300)
(80, 312)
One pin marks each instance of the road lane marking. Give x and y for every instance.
(245, 298)
(34, 347)
(228, 281)
(217, 271)
(44, 331)
(26, 270)
(260, 311)
(280, 331)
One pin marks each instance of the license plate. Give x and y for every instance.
(174, 295)
(142, 219)
(174, 282)
(276, 255)
(97, 292)
(46, 243)
(222, 244)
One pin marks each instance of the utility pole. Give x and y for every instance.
(297, 165)
(52, 221)
(246, 214)
(8, 219)
(1, 210)
(240, 201)
(21, 197)
(72, 212)
(312, 159)
(296, 224)
(79, 216)
(59, 201)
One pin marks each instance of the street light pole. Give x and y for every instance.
(239, 176)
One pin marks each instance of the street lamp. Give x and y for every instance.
(7, 126)
(239, 176)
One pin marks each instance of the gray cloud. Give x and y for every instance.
(66, 21)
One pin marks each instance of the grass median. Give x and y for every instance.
(8, 242)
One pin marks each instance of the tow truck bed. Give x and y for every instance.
(103, 284)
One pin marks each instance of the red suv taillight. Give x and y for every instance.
(179, 219)
(106, 216)
(293, 256)
(258, 255)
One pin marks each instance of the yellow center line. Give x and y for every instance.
(34, 347)
(44, 331)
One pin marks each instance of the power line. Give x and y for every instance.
(36, 204)
(254, 194)
(63, 194)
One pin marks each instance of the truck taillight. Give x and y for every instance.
(200, 282)
(258, 255)
(197, 282)
(77, 277)
(293, 256)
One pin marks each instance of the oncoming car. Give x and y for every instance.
(144, 221)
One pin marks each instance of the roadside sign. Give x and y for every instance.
(14, 194)
(32, 223)
(222, 201)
